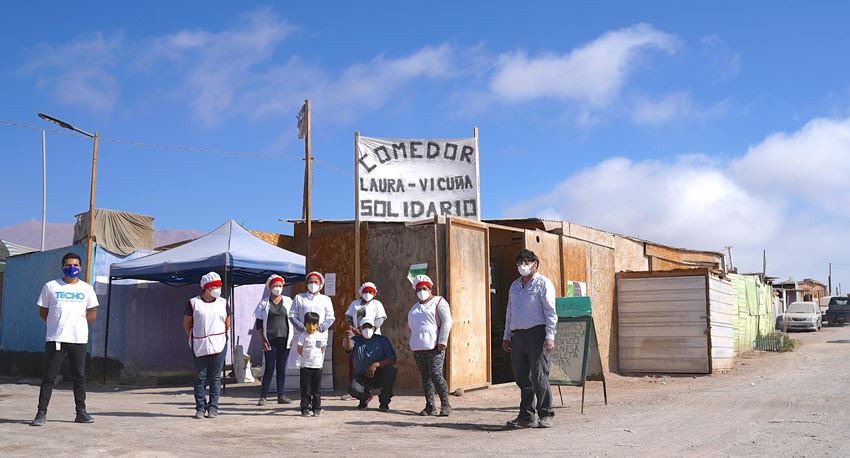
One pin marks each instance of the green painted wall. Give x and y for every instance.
(753, 315)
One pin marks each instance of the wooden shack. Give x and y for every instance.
(678, 321)
(472, 265)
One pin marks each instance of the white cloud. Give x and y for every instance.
(593, 73)
(673, 107)
(788, 194)
(79, 73)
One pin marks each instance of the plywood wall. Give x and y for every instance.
(332, 251)
(468, 285)
(601, 288)
(629, 256)
(547, 247)
(392, 250)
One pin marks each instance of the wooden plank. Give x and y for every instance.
(575, 259)
(468, 285)
(670, 273)
(601, 291)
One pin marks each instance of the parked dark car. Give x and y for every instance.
(838, 311)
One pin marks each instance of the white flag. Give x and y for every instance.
(302, 122)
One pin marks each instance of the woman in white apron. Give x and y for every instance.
(272, 324)
(206, 321)
(430, 322)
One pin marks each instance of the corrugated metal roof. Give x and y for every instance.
(13, 249)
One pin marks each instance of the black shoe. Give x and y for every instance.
(445, 410)
(384, 408)
(40, 418)
(428, 410)
(283, 400)
(518, 422)
(363, 405)
(317, 413)
(83, 417)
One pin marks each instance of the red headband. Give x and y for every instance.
(213, 284)
(369, 288)
(423, 283)
(276, 279)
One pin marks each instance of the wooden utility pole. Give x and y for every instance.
(90, 235)
(356, 213)
(308, 176)
(829, 280)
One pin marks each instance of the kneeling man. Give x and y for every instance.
(373, 358)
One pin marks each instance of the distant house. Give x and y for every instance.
(805, 290)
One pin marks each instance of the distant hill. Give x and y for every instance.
(58, 235)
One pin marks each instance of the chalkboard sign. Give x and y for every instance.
(575, 359)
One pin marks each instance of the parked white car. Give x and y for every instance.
(803, 316)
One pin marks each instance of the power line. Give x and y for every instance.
(189, 149)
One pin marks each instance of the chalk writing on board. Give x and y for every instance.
(565, 362)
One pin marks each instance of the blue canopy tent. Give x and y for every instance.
(234, 253)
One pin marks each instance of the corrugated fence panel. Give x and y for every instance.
(722, 327)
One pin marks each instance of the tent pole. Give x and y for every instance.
(106, 332)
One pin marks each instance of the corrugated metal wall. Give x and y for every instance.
(754, 314)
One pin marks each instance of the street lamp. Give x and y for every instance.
(90, 235)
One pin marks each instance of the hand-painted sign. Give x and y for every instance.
(406, 180)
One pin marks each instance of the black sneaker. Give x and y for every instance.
(428, 410)
(283, 400)
(384, 408)
(83, 417)
(317, 413)
(305, 413)
(363, 405)
(40, 418)
(518, 422)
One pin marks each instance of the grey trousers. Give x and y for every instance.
(531, 369)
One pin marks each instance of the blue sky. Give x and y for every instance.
(702, 126)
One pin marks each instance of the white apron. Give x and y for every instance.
(209, 335)
(424, 323)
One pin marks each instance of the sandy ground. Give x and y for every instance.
(792, 404)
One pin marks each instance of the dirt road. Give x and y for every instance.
(792, 404)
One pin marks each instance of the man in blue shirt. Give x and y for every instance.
(374, 359)
(529, 337)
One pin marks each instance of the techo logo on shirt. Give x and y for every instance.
(71, 296)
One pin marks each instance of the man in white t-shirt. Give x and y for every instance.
(67, 306)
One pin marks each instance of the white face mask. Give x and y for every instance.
(313, 287)
(216, 293)
(277, 290)
(524, 269)
(367, 333)
(423, 294)
(368, 296)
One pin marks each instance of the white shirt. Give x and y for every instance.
(317, 303)
(311, 345)
(374, 310)
(531, 305)
(67, 304)
(429, 323)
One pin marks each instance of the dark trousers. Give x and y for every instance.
(311, 389)
(274, 362)
(53, 365)
(531, 369)
(208, 368)
(384, 379)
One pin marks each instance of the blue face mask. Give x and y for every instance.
(71, 271)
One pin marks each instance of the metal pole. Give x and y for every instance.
(43, 186)
(106, 332)
(90, 236)
(356, 213)
(308, 178)
(830, 279)
(477, 175)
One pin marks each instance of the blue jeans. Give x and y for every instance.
(208, 368)
(274, 361)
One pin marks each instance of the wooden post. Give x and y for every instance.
(90, 235)
(477, 174)
(356, 213)
(308, 176)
